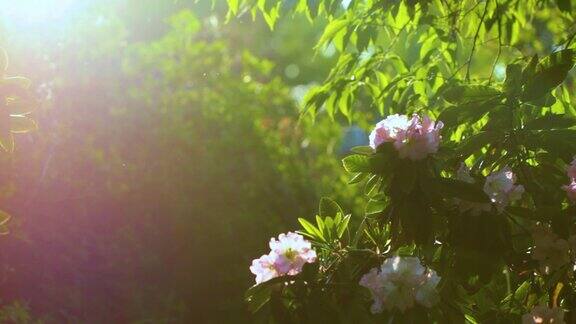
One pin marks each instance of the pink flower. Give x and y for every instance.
(288, 255)
(500, 187)
(544, 315)
(551, 251)
(413, 139)
(399, 283)
(292, 252)
(571, 172)
(264, 268)
(571, 190)
(387, 129)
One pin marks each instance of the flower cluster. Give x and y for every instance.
(499, 186)
(413, 138)
(571, 188)
(551, 251)
(399, 283)
(544, 315)
(287, 256)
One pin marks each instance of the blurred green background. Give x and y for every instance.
(169, 151)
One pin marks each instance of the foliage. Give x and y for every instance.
(17, 312)
(497, 74)
(153, 146)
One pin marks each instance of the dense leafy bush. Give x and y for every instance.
(150, 148)
(468, 218)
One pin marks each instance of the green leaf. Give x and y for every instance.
(522, 291)
(320, 224)
(452, 188)
(470, 319)
(358, 177)
(476, 142)
(375, 206)
(356, 163)
(343, 225)
(271, 15)
(313, 7)
(371, 184)
(259, 295)
(329, 207)
(329, 225)
(551, 121)
(364, 37)
(334, 27)
(461, 94)
(364, 150)
(233, 6)
(545, 101)
(530, 69)
(557, 141)
(550, 73)
(310, 228)
(513, 82)
(469, 112)
(564, 5)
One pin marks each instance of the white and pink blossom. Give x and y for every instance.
(399, 283)
(387, 129)
(287, 256)
(570, 190)
(551, 251)
(544, 315)
(292, 252)
(501, 188)
(264, 268)
(413, 138)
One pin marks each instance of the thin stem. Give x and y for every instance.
(475, 39)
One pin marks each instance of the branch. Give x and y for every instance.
(475, 39)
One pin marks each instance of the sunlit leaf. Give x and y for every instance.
(331, 30)
(550, 72)
(329, 207)
(551, 121)
(356, 163)
(470, 94)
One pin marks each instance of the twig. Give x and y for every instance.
(475, 39)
